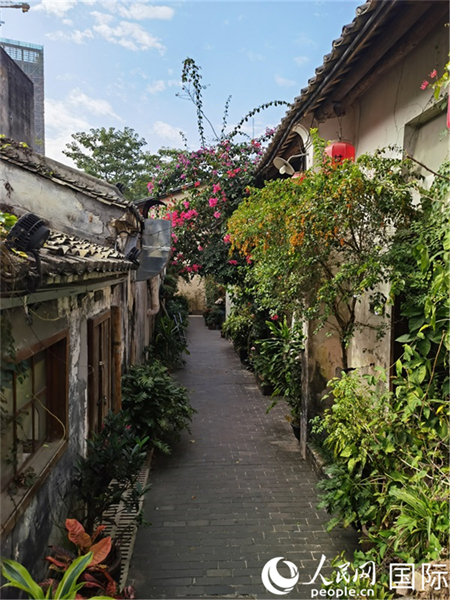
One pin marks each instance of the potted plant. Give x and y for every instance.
(294, 416)
(277, 362)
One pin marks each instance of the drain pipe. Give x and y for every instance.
(154, 297)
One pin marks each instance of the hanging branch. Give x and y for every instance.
(225, 116)
(428, 168)
(253, 112)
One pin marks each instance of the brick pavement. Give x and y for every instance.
(232, 495)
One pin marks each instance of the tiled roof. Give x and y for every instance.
(331, 63)
(16, 153)
(62, 255)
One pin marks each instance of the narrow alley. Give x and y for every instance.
(232, 495)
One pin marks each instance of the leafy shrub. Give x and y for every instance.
(178, 306)
(68, 588)
(278, 362)
(169, 343)
(109, 472)
(237, 328)
(156, 405)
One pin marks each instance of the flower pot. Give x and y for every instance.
(296, 430)
(266, 388)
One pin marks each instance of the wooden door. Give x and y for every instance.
(99, 361)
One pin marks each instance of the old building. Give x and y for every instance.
(75, 312)
(370, 91)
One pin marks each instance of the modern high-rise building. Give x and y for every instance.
(30, 58)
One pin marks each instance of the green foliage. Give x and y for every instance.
(320, 244)
(109, 473)
(67, 588)
(117, 156)
(277, 360)
(156, 405)
(7, 221)
(178, 306)
(237, 328)
(169, 343)
(390, 449)
(214, 178)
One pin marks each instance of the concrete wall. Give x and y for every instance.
(194, 291)
(16, 102)
(68, 210)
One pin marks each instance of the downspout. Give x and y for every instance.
(154, 297)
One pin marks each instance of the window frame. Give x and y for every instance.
(48, 453)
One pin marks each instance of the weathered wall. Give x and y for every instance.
(36, 528)
(194, 291)
(393, 111)
(16, 102)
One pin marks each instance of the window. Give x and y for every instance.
(34, 409)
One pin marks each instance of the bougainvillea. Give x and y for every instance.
(214, 180)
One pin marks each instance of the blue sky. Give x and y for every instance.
(117, 63)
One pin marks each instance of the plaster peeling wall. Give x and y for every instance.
(47, 509)
(67, 210)
(194, 290)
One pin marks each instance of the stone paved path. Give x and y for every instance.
(232, 495)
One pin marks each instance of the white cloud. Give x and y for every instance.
(167, 132)
(129, 35)
(174, 83)
(67, 22)
(60, 123)
(139, 11)
(102, 18)
(304, 40)
(254, 56)
(95, 106)
(57, 8)
(156, 86)
(282, 82)
(76, 36)
(301, 60)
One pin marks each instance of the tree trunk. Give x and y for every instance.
(344, 355)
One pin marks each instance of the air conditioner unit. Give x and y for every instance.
(155, 249)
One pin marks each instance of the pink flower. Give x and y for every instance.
(216, 188)
(275, 318)
(197, 183)
(200, 248)
(150, 187)
(433, 73)
(183, 176)
(227, 239)
(232, 262)
(248, 259)
(195, 268)
(186, 203)
(212, 202)
(217, 214)
(424, 85)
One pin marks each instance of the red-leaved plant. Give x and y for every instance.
(96, 577)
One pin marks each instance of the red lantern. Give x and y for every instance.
(340, 151)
